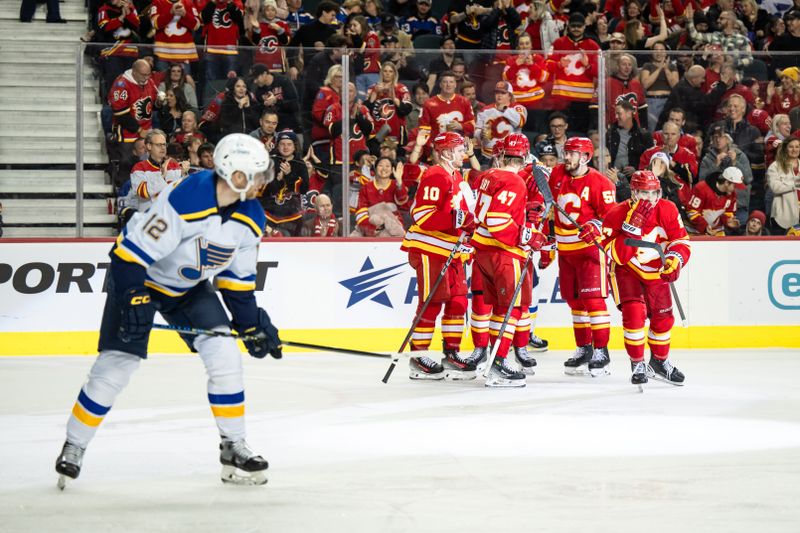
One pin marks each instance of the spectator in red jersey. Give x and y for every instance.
(527, 73)
(170, 111)
(366, 41)
(238, 113)
(174, 24)
(178, 79)
(390, 102)
(447, 111)
(328, 94)
(681, 161)
(283, 197)
(783, 179)
(189, 129)
(223, 25)
(786, 96)
(322, 223)
(687, 140)
(713, 203)
(267, 126)
(269, 35)
(117, 23)
(624, 85)
(673, 187)
(373, 219)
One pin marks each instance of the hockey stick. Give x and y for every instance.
(199, 331)
(517, 289)
(425, 304)
(544, 188)
(638, 243)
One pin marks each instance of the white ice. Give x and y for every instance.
(350, 454)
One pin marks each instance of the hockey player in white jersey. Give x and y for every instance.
(206, 226)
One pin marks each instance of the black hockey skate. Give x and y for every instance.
(537, 344)
(423, 367)
(577, 365)
(240, 464)
(502, 375)
(456, 367)
(479, 357)
(598, 364)
(665, 371)
(525, 360)
(68, 463)
(638, 374)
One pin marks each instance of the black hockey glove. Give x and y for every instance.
(136, 316)
(266, 340)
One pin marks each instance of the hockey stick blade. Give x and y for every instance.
(639, 243)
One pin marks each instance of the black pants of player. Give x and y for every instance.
(198, 308)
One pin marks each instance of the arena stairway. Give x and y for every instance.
(37, 128)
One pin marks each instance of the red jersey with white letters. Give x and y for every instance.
(127, 97)
(584, 198)
(148, 181)
(707, 209)
(372, 53)
(437, 113)
(358, 141)
(326, 97)
(526, 79)
(499, 124)
(433, 232)
(384, 111)
(174, 39)
(573, 80)
(500, 212)
(270, 43)
(663, 227)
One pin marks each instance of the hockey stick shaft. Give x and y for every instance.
(199, 331)
(425, 305)
(638, 243)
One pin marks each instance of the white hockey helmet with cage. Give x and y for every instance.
(238, 152)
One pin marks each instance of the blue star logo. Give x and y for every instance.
(370, 283)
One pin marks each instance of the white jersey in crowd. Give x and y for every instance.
(185, 238)
(147, 182)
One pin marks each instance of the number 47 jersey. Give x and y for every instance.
(184, 238)
(585, 198)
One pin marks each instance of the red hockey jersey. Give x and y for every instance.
(127, 97)
(370, 195)
(372, 53)
(433, 232)
(499, 124)
(574, 78)
(326, 97)
(709, 211)
(270, 43)
(384, 111)
(624, 91)
(108, 20)
(500, 212)
(584, 198)
(681, 156)
(147, 180)
(222, 33)
(526, 78)
(174, 39)
(358, 141)
(686, 140)
(664, 227)
(437, 113)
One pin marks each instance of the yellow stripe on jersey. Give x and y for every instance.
(234, 285)
(228, 411)
(81, 414)
(163, 290)
(247, 220)
(201, 214)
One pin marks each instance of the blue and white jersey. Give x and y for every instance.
(183, 239)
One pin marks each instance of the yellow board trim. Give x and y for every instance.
(388, 339)
(90, 420)
(228, 412)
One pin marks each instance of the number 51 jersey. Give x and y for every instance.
(585, 198)
(185, 238)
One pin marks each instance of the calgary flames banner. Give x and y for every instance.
(362, 294)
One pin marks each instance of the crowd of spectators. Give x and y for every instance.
(703, 92)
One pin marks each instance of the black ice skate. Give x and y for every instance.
(638, 374)
(423, 367)
(479, 357)
(525, 360)
(537, 344)
(598, 364)
(577, 365)
(664, 371)
(240, 464)
(68, 463)
(456, 367)
(502, 375)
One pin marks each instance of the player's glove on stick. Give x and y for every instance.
(590, 233)
(548, 254)
(464, 220)
(637, 217)
(672, 267)
(528, 236)
(136, 316)
(265, 338)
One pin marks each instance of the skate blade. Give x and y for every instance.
(424, 376)
(639, 386)
(582, 370)
(62, 482)
(505, 383)
(662, 379)
(460, 375)
(598, 372)
(537, 349)
(528, 371)
(234, 476)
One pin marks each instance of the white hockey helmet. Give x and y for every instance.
(240, 152)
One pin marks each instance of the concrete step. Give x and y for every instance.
(37, 157)
(33, 72)
(52, 181)
(62, 118)
(45, 211)
(32, 46)
(91, 130)
(51, 144)
(11, 79)
(16, 96)
(32, 30)
(16, 59)
(41, 107)
(49, 232)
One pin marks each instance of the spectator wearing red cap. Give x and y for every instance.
(756, 224)
(783, 179)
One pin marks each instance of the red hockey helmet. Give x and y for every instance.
(516, 145)
(580, 144)
(447, 139)
(497, 150)
(644, 180)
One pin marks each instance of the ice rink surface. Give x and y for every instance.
(350, 454)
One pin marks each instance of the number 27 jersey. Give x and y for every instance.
(584, 198)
